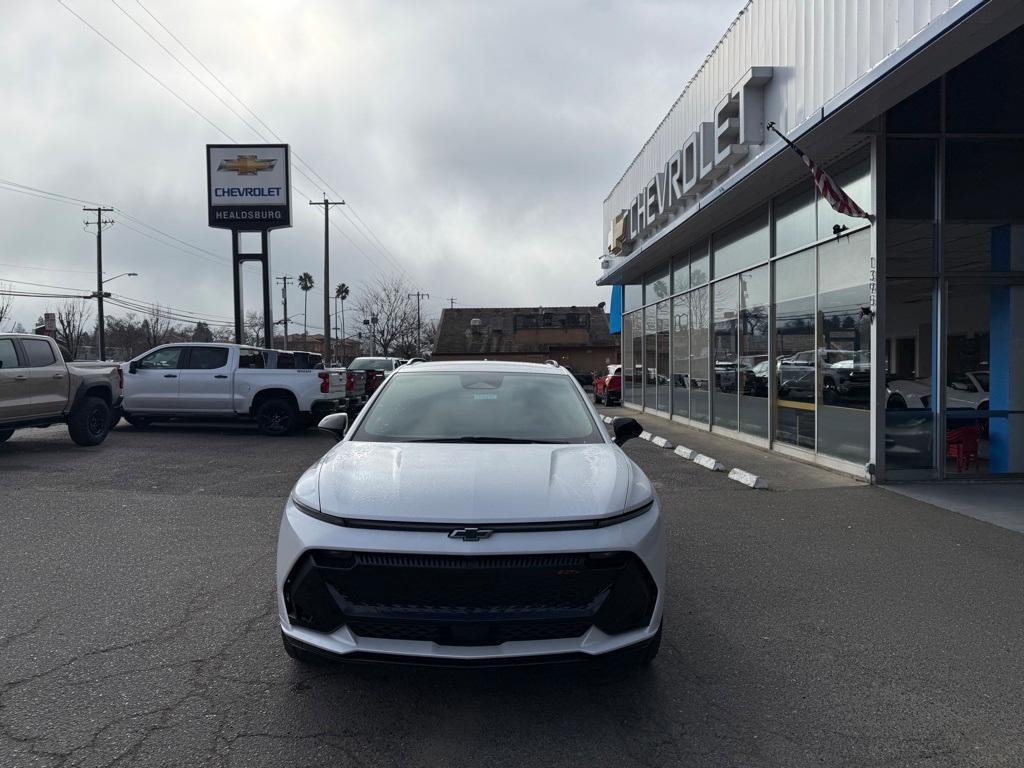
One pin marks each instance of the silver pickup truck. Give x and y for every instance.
(37, 389)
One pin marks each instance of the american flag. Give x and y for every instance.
(827, 187)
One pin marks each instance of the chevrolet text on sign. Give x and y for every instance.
(248, 186)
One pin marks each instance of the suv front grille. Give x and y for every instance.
(456, 600)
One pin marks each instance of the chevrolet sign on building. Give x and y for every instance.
(248, 186)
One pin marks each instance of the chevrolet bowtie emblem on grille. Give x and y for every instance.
(470, 534)
(246, 165)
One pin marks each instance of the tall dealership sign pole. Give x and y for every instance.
(327, 204)
(249, 190)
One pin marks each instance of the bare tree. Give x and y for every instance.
(72, 317)
(252, 328)
(429, 336)
(157, 328)
(5, 305)
(388, 300)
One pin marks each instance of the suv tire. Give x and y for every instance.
(277, 417)
(5, 435)
(89, 423)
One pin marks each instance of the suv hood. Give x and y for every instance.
(473, 483)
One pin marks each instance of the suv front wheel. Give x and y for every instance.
(89, 423)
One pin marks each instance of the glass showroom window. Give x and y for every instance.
(649, 379)
(681, 272)
(753, 365)
(661, 371)
(795, 369)
(909, 396)
(742, 244)
(844, 357)
(700, 264)
(656, 285)
(632, 370)
(627, 358)
(795, 220)
(700, 322)
(681, 355)
(632, 297)
(724, 349)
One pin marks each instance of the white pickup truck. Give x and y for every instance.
(192, 380)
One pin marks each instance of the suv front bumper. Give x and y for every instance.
(513, 598)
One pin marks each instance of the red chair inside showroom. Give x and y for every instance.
(962, 445)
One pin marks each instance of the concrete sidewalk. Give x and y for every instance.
(780, 472)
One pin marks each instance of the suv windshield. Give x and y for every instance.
(479, 407)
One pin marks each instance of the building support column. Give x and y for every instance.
(876, 291)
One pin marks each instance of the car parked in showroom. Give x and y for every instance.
(474, 513)
(189, 381)
(38, 389)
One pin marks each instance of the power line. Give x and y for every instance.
(388, 256)
(156, 79)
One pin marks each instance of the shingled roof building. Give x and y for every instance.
(577, 337)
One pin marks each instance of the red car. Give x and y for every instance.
(608, 388)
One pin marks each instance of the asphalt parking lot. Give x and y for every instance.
(827, 624)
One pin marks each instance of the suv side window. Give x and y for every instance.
(163, 359)
(40, 353)
(8, 355)
(207, 358)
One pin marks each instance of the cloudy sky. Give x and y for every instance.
(476, 140)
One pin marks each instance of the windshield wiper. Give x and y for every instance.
(486, 439)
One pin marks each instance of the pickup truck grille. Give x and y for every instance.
(469, 601)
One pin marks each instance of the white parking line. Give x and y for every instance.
(709, 463)
(747, 478)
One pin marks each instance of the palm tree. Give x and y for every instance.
(306, 284)
(340, 294)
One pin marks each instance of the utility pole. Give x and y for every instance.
(100, 222)
(284, 280)
(327, 276)
(451, 301)
(418, 295)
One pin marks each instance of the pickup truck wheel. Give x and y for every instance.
(5, 434)
(89, 423)
(277, 417)
(597, 398)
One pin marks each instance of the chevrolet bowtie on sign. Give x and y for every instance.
(246, 165)
(248, 186)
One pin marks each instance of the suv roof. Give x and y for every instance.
(503, 366)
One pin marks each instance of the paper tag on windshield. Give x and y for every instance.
(485, 397)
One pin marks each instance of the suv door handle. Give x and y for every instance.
(21, 378)
(220, 376)
(58, 375)
(170, 375)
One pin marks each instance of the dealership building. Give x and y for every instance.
(890, 347)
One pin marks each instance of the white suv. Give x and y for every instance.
(475, 512)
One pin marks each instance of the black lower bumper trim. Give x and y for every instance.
(630, 653)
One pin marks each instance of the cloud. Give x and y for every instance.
(478, 140)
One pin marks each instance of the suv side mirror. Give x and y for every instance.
(335, 424)
(133, 366)
(625, 428)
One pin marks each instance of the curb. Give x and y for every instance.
(686, 453)
(708, 463)
(661, 442)
(646, 436)
(747, 478)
